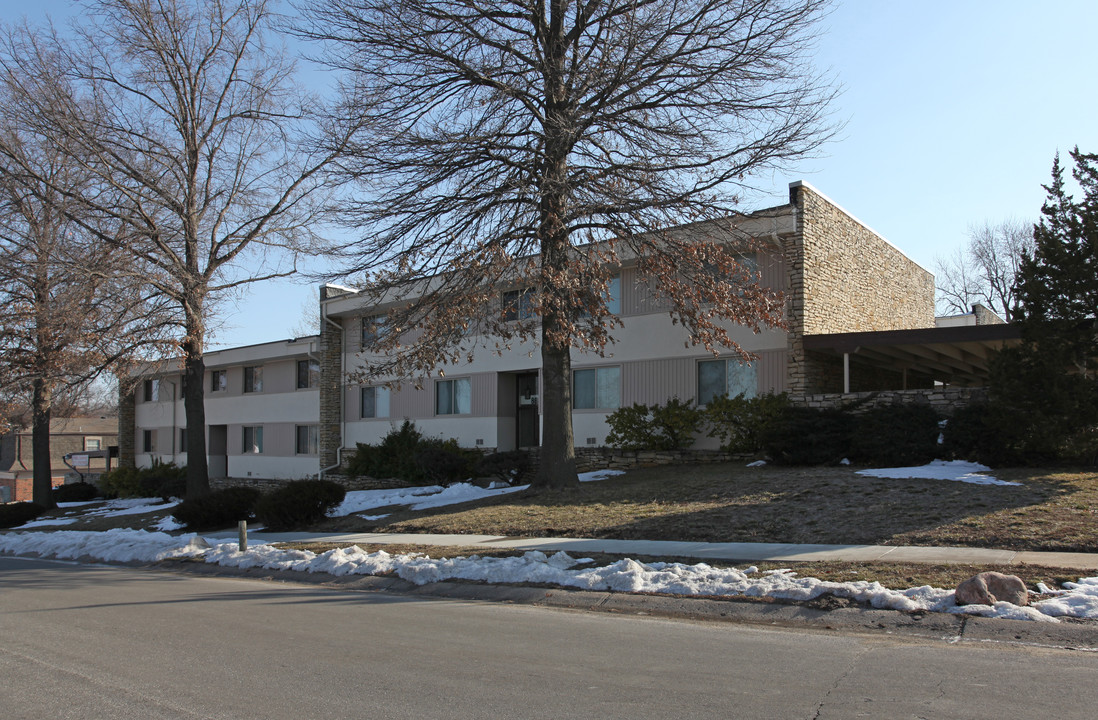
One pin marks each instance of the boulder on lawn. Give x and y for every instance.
(987, 588)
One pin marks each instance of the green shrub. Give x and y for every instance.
(164, 480)
(740, 422)
(896, 435)
(13, 514)
(509, 466)
(807, 436)
(654, 427)
(122, 482)
(968, 435)
(218, 509)
(75, 492)
(445, 462)
(299, 503)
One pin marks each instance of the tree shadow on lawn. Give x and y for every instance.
(731, 503)
(838, 506)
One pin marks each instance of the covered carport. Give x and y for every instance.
(907, 359)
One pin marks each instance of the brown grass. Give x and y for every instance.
(1051, 510)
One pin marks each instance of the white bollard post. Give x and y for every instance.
(242, 527)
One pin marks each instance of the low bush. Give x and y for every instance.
(406, 454)
(807, 436)
(75, 492)
(968, 435)
(13, 514)
(509, 466)
(740, 422)
(896, 435)
(218, 509)
(446, 462)
(299, 503)
(122, 482)
(654, 427)
(164, 480)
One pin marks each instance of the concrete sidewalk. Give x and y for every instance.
(742, 552)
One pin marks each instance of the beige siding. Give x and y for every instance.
(408, 402)
(484, 388)
(771, 370)
(654, 381)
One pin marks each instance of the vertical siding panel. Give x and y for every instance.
(483, 387)
(408, 402)
(656, 381)
(772, 269)
(772, 370)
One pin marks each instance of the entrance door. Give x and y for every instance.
(218, 450)
(526, 417)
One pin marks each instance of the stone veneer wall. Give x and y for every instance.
(843, 277)
(331, 384)
(127, 423)
(943, 399)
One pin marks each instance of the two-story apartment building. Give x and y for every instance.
(838, 277)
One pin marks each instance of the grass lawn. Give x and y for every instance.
(1051, 510)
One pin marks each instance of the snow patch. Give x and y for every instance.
(955, 470)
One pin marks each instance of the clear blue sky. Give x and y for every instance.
(953, 113)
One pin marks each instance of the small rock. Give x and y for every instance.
(987, 588)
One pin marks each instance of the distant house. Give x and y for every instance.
(68, 436)
(860, 317)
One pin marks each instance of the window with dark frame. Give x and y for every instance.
(152, 390)
(218, 381)
(374, 328)
(148, 441)
(308, 374)
(253, 378)
(308, 437)
(252, 440)
(597, 388)
(374, 402)
(453, 397)
(717, 378)
(518, 304)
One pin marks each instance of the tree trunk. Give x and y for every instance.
(42, 484)
(194, 372)
(557, 467)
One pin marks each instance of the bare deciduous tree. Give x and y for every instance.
(537, 145)
(983, 271)
(193, 129)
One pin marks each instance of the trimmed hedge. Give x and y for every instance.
(509, 466)
(672, 426)
(896, 435)
(163, 480)
(299, 503)
(740, 422)
(13, 514)
(218, 509)
(808, 436)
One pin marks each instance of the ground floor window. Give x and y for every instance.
(308, 437)
(375, 402)
(252, 442)
(597, 388)
(725, 377)
(148, 441)
(453, 397)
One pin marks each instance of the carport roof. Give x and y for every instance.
(955, 355)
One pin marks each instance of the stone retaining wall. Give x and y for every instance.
(943, 399)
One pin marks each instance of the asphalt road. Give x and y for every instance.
(106, 642)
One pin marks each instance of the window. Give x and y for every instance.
(218, 381)
(373, 329)
(182, 387)
(597, 388)
(375, 402)
(182, 439)
(93, 443)
(518, 304)
(613, 298)
(253, 379)
(308, 439)
(148, 441)
(252, 440)
(152, 390)
(725, 377)
(453, 397)
(308, 374)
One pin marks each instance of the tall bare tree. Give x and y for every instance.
(67, 314)
(193, 128)
(536, 144)
(984, 270)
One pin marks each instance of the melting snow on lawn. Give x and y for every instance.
(956, 470)
(433, 496)
(112, 508)
(1075, 600)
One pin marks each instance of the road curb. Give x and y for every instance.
(849, 618)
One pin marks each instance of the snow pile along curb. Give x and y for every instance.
(1075, 600)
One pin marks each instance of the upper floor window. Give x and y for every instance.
(93, 443)
(453, 397)
(597, 388)
(152, 390)
(374, 328)
(725, 377)
(375, 402)
(518, 304)
(253, 378)
(308, 373)
(218, 381)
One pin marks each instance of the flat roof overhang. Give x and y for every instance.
(954, 355)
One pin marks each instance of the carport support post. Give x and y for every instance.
(242, 528)
(846, 373)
